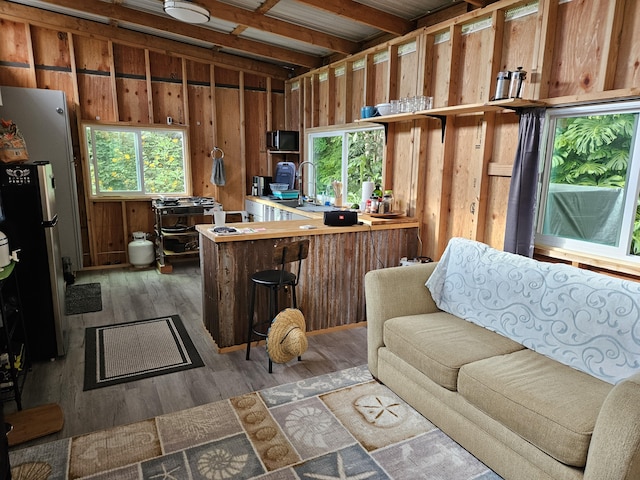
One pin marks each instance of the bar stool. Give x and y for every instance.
(275, 280)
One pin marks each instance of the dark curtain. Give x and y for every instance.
(521, 209)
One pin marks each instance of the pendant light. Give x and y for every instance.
(186, 11)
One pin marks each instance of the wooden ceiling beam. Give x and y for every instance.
(58, 21)
(258, 21)
(479, 3)
(364, 14)
(125, 14)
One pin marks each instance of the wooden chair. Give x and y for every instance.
(275, 280)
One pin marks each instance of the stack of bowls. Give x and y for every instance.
(384, 109)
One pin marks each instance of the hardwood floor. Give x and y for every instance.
(130, 294)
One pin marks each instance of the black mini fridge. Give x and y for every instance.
(27, 194)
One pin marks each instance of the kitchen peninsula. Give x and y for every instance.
(331, 288)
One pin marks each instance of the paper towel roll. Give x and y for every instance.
(367, 190)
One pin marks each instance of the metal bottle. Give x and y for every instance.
(502, 85)
(517, 83)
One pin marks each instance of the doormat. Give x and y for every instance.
(134, 350)
(83, 298)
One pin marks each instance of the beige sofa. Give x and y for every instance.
(523, 414)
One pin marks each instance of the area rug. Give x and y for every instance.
(130, 351)
(342, 425)
(83, 298)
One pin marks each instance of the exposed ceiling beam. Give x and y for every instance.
(256, 20)
(479, 3)
(364, 14)
(267, 5)
(125, 14)
(58, 21)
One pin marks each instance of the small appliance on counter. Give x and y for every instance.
(260, 186)
(340, 218)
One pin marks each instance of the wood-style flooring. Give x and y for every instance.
(134, 294)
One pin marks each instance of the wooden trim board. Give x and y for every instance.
(34, 423)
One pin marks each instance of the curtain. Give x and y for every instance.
(521, 208)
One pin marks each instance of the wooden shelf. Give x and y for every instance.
(171, 253)
(508, 104)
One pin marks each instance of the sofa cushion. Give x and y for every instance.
(581, 318)
(551, 405)
(438, 344)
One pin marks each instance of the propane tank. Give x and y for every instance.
(141, 252)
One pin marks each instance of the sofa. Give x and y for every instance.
(533, 367)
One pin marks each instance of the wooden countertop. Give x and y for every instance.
(362, 217)
(291, 228)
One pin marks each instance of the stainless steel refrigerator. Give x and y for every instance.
(28, 202)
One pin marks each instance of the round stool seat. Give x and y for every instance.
(273, 277)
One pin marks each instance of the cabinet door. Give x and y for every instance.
(269, 214)
(255, 210)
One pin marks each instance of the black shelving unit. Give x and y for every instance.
(14, 351)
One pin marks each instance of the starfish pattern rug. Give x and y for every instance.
(339, 426)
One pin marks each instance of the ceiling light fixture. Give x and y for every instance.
(186, 11)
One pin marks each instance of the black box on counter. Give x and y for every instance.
(340, 218)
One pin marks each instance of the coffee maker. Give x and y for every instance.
(260, 186)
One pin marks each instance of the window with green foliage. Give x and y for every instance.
(591, 181)
(350, 156)
(136, 161)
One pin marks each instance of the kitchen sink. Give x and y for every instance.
(316, 208)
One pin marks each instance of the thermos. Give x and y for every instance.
(502, 85)
(516, 83)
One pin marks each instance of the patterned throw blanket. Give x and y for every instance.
(583, 319)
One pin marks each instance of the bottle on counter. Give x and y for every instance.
(375, 203)
(377, 192)
(367, 208)
(387, 202)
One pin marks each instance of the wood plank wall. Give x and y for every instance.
(225, 101)
(573, 51)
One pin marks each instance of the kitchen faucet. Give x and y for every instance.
(300, 184)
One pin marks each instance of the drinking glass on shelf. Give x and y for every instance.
(395, 106)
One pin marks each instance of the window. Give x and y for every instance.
(137, 161)
(350, 156)
(590, 182)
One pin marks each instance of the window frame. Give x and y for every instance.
(136, 129)
(344, 131)
(618, 253)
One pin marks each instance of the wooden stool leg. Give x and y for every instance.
(252, 302)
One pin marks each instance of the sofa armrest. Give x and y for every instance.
(394, 292)
(614, 452)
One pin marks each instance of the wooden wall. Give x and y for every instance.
(573, 51)
(225, 101)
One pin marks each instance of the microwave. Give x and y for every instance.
(283, 140)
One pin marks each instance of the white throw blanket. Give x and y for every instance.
(583, 319)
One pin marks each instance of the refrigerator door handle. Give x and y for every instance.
(50, 223)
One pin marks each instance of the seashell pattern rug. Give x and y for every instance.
(342, 425)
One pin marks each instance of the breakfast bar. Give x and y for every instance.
(330, 292)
